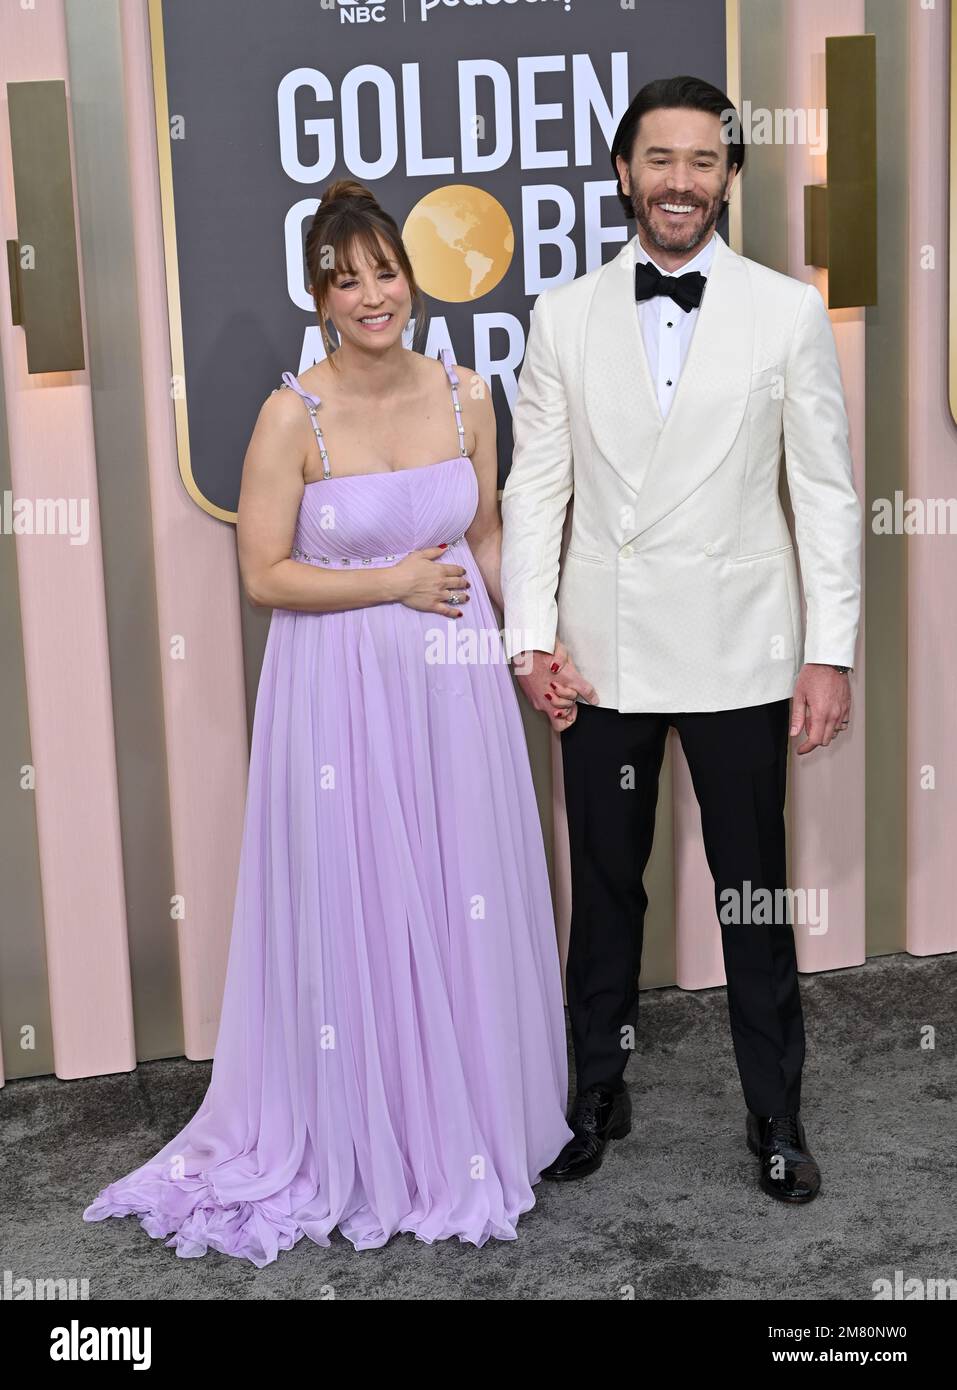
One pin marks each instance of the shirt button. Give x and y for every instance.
(709, 549)
(628, 551)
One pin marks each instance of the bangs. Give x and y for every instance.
(350, 241)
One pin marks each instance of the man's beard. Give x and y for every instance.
(680, 238)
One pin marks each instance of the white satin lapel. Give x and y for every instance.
(664, 462)
(621, 403)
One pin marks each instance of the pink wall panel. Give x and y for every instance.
(198, 598)
(932, 472)
(699, 960)
(827, 786)
(65, 650)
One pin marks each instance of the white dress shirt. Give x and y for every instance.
(667, 328)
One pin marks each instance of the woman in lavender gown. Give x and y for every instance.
(391, 1053)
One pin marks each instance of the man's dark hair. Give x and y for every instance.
(671, 92)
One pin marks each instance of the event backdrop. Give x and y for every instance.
(483, 128)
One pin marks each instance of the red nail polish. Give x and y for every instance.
(443, 545)
(547, 696)
(554, 666)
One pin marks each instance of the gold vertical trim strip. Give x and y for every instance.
(177, 354)
(732, 34)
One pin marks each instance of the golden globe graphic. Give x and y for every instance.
(460, 241)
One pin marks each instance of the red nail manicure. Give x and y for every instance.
(554, 666)
(443, 545)
(547, 696)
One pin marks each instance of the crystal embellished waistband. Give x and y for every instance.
(347, 562)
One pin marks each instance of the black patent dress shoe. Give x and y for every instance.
(788, 1169)
(597, 1115)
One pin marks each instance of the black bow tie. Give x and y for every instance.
(685, 290)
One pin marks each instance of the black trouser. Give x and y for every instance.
(738, 764)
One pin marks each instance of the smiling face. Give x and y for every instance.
(369, 302)
(677, 181)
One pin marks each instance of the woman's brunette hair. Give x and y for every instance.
(349, 216)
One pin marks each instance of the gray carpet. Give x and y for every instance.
(674, 1213)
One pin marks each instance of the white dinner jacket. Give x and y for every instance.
(675, 586)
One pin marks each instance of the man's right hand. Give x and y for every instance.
(551, 683)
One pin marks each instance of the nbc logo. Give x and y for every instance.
(356, 12)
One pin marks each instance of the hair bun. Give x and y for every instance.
(343, 189)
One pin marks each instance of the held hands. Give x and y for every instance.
(821, 704)
(551, 683)
(420, 583)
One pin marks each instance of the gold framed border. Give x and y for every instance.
(164, 151)
(732, 70)
(177, 355)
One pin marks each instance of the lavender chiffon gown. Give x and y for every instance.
(391, 1053)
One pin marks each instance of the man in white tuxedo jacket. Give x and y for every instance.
(650, 580)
